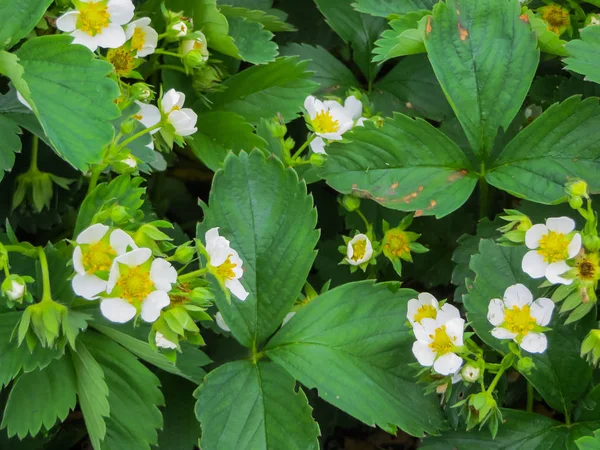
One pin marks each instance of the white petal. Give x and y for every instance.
(150, 115)
(425, 298)
(135, 257)
(533, 264)
(82, 38)
(455, 329)
(423, 353)
(447, 364)
(310, 106)
(574, 245)
(169, 100)
(181, 27)
(361, 123)
(117, 310)
(78, 260)
(153, 304)
(219, 252)
(88, 286)
(411, 309)
(121, 11)
(534, 234)
(163, 274)
(535, 343)
(561, 224)
(448, 312)
(163, 342)
(541, 311)
(429, 326)
(121, 242)
(517, 295)
(318, 145)
(221, 322)
(184, 121)
(495, 313)
(554, 272)
(503, 333)
(68, 21)
(353, 107)
(92, 234)
(236, 289)
(420, 332)
(113, 276)
(150, 42)
(211, 236)
(113, 36)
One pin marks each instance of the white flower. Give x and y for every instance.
(551, 246)
(97, 23)
(359, 250)
(137, 284)
(148, 115)
(183, 119)
(143, 37)
(330, 120)
(427, 306)
(16, 291)
(181, 28)
(470, 373)
(225, 263)
(162, 342)
(23, 101)
(437, 342)
(198, 44)
(521, 319)
(221, 322)
(95, 253)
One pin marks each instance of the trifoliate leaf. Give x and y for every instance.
(19, 18)
(583, 54)
(247, 406)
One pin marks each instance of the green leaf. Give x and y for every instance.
(330, 73)
(133, 396)
(246, 406)
(385, 8)
(19, 19)
(40, 399)
(415, 90)
(92, 392)
(485, 58)
(259, 92)
(559, 144)
(269, 21)
(548, 41)
(123, 191)
(405, 37)
(589, 442)
(213, 24)
(220, 133)
(359, 30)
(496, 268)
(267, 215)
(406, 165)
(11, 144)
(520, 430)
(583, 54)
(254, 43)
(354, 345)
(72, 96)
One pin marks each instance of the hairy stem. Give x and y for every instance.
(47, 294)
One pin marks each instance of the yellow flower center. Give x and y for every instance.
(425, 312)
(359, 249)
(519, 320)
(198, 45)
(225, 270)
(135, 285)
(93, 17)
(98, 257)
(138, 117)
(121, 60)
(396, 244)
(138, 39)
(588, 268)
(556, 17)
(324, 123)
(554, 247)
(442, 343)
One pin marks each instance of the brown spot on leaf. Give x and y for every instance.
(418, 213)
(395, 185)
(420, 188)
(428, 27)
(362, 193)
(432, 204)
(462, 32)
(354, 186)
(457, 175)
(524, 18)
(380, 199)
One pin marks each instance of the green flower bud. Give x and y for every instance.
(525, 365)
(184, 253)
(142, 91)
(590, 348)
(128, 125)
(318, 159)
(591, 243)
(350, 202)
(119, 214)
(575, 202)
(276, 128)
(44, 320)
(577, 188)
(14, 288)
(592, 19)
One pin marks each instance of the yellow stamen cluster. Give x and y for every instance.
(519, 320)
(588, 267)
(359, 249)
(122, 61)
(396, 244)
(225, 270)
(442, 343)
(93, 17)
(554, 247)
(556, 17)
(425, 312)
(324, 123)
(135, 285)
(98, 257)
(138, 39)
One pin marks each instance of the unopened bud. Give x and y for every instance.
(119, 214)
(470, 373)
(591, 243)
(14, 288)
(318, 159)
(350, 202)
(525, 365)
(184, 253)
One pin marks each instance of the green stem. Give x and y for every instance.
(364, 219)
(127, 141)
(529, 397)
(505, 364)
(171, 67)
(483, 198)
(303, 146)
(31, 252)
(191, 275)
(6, 271)
(47, 295)
(33, 167)
(164, 52)
(95, 176)
(162, 36)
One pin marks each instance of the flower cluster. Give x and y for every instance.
(225, 263)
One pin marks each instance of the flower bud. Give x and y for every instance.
(14, 288)
(525, 365)
(591, 243)
(119, 214)
(184, 253)
(592, 19)
(318, 159)
(276, 128)
(127, 126)
(350, 202)
(575, 202)
(470, 373)
(141, 91)
(590, 347)
(577, 188)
